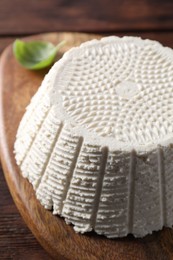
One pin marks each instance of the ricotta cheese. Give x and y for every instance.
(96, 139)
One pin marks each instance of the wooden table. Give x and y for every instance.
(149, 19)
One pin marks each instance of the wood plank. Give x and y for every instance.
(4, 41)
(26, 17)
(59, 239)
(16, 240)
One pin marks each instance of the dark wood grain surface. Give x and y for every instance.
(16, 240)
(35, 16)
(147, 18)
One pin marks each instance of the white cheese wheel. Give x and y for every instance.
(96, 139)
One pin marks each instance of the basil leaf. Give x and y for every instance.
(35, 55)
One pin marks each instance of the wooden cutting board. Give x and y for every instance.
(17, 86)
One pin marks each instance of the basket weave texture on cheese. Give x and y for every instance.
(96, 140)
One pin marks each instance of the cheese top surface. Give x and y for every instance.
(119, 89)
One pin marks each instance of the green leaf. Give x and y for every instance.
(35, 55)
